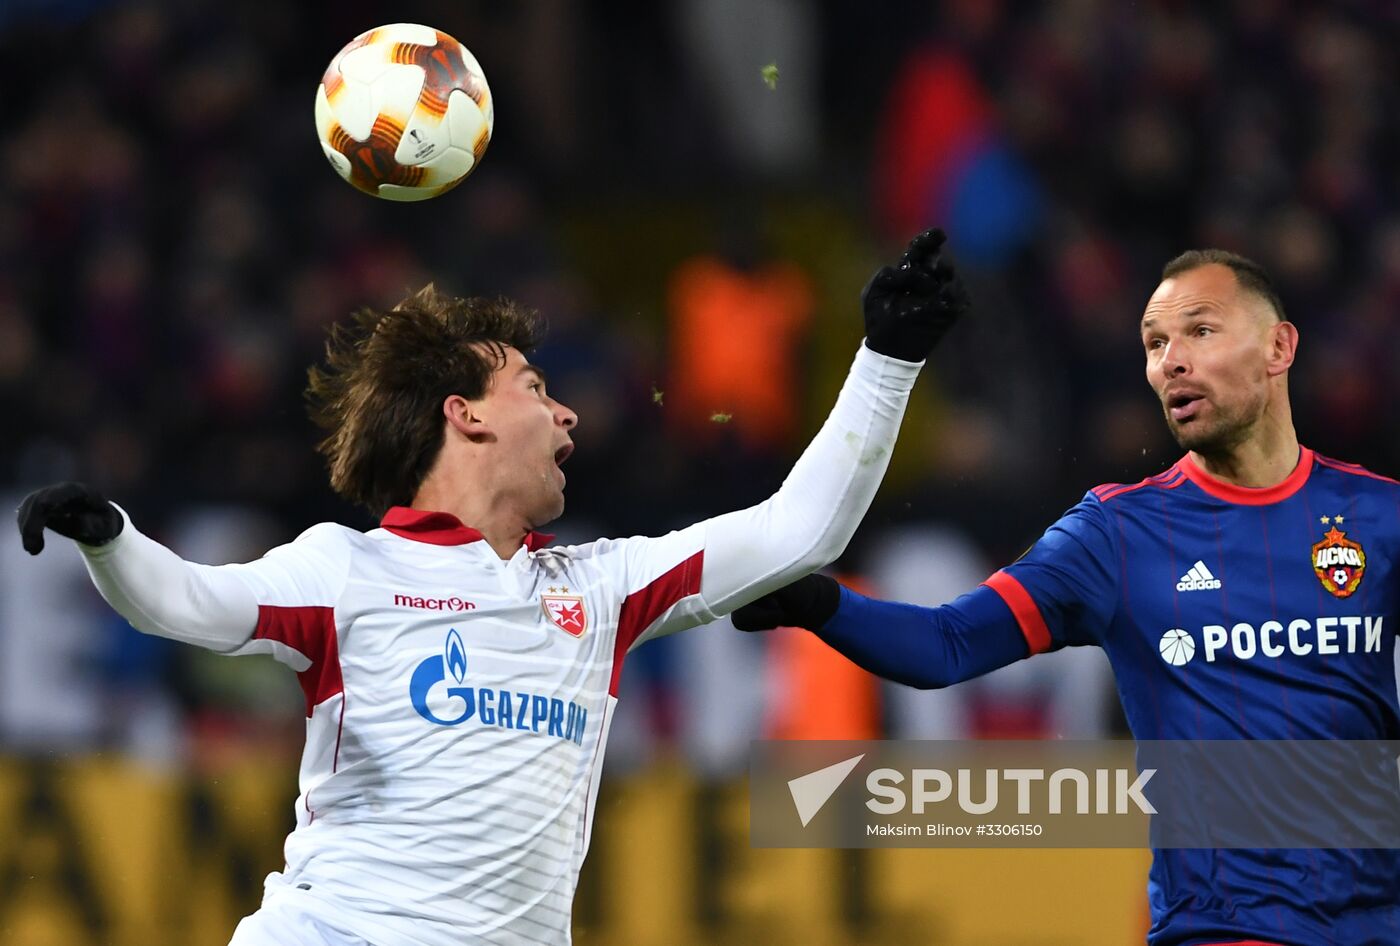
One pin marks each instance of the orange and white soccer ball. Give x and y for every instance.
(404, 112)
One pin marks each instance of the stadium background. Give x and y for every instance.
(172, 245)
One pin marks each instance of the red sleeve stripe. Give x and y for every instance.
(648, 603)
(310, 631)
(1024, 609)
(1352, 468)
(1170, 479)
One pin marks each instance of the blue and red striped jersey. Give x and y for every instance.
(1233, 613)
(1226, 613)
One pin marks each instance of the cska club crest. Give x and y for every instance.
(565, 612)
(1339, 562)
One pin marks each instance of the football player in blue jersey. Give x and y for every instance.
(1248, 592)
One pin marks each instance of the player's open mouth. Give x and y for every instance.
(1183, 407)
(560, 456)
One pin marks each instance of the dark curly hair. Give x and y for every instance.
(379, 395)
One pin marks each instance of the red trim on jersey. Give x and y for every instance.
(310, 631)
(1023, 608)
(339, 730)
(648, 603)
(534, 541)
(586, 828)
(1246, 495)
(335, 759)
(1168, 479)
(1353, 468)
(443, 528)
(1243, 942)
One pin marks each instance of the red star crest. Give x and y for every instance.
(566, 612)
(1339, 563)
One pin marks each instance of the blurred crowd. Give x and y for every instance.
(173, 246)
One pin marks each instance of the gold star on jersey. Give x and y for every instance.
(1340, 563)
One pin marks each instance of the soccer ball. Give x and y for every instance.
(404, 112)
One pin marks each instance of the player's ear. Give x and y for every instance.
(1283, 347)
(463, 417)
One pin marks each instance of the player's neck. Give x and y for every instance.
(1264, 459)
(504, 542)
(500, 528)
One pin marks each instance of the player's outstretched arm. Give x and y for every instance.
(1062, 592)
(920, 647)
(808, 522)
(146, 583)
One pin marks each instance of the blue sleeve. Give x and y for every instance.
(926, 647)
(1063, 591)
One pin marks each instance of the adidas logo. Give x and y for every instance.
(1198, 578)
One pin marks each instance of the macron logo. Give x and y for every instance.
(813, 790)
(433, 604)
(1198, 578)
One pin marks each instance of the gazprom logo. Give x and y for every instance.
(432, 691)
(456, 656)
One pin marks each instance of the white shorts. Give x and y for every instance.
(282, 922)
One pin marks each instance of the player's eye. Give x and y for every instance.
(1203, 330)
(1155, 343)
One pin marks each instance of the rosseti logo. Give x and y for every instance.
(1301, 637)
(1176, 647)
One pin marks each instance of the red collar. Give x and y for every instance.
(1246, 495)
(443, 528)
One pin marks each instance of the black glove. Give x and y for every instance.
(909, 307)
(75, 510)
(808, 602)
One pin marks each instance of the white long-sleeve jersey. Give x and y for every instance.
(458, 704)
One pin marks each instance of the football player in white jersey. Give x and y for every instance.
(460, 670)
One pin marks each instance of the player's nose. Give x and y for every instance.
(564, 416)
(1175, 361)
